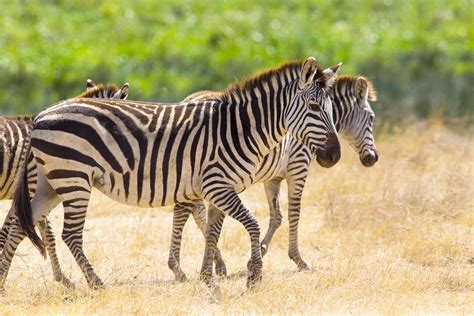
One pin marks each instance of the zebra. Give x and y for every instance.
(148, 155)
(290, 161)
(14, 141)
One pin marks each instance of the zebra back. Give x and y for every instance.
(15, 139)
(203, 95)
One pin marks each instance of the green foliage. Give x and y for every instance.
(418, 54)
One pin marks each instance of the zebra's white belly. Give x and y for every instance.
(125, 189)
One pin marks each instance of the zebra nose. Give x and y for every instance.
(331, 154)
(333, 148)
(370, 159)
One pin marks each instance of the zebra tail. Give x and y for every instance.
(22, 206)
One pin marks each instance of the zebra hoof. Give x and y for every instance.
(254, 274)
(96, 284)
(221, 269)
(180, 277)
(302, 266)
(253, 280)
(207, 278)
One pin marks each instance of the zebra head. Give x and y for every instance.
(309, 118)
(354, 117)
(108, 91)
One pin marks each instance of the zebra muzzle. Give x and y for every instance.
(329, 156)
(370, 158)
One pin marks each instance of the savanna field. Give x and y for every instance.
(396, 238)
(393, 239)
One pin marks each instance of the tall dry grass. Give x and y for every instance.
(396, 238)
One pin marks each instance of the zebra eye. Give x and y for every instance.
(314, 104)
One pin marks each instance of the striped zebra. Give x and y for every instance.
(14, 141)
(148, 154)
(290, 161)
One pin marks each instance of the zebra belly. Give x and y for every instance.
(126, 189)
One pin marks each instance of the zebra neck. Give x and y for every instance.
(345, 121)
(340, 115)
(262, 118)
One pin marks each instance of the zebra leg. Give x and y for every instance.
(295, 191)
(272, 190)
(14, 238)
(199, 214)
(180, 216)
(47, 235)
(44, 201)
(227, 200)
(75, 209)
(5, 229)
(213, 231)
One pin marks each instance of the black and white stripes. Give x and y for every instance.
(14, 144)
(148, 154)
(290, 161)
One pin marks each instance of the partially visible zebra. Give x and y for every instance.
(149, 154)
(290, 161)
(14, 143)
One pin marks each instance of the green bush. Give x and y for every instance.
(418, 54)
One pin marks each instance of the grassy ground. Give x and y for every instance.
(393, 239)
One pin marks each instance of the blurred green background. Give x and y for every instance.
(419, 54)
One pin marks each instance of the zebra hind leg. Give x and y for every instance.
(5, 230)
(75, 209)
(180, 216)
(42, 203)
(15, 237)
(199, 214)
(47, 235)
(272, 190)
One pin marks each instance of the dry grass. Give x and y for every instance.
(396, 238)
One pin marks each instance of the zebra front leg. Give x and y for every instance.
(213, 231)
(229, 202)
(75, 210)
(180, 216)
(199, 214)
(272, 191)
(49, 240)
(295, 190)
(5, 229)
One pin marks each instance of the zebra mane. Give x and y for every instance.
(293, 68)
(23, 118)
(350, 81)
(111, 89)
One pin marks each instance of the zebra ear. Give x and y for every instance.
(122, 93)
(361, 88)
(365, 89)
(308, 71)
(90, 85)
(329, 75)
